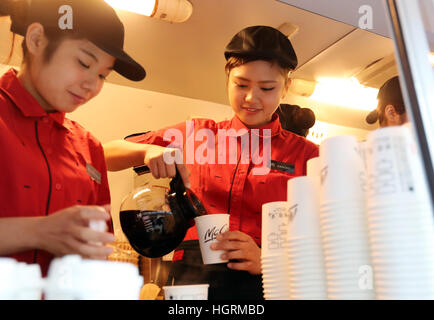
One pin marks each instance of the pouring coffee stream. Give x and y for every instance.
(155, 219)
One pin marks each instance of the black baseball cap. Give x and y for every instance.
(263, 42)
(94, 19)
(389, 93)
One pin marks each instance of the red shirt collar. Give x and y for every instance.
(23, 100)
(274, 125)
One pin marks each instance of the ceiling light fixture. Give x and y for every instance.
(167, 10)
(345, 92)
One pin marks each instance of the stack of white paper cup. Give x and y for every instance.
(343, 218)
(400, 216)
(186, 292)
(306, 261)
(274, 252)
(72, 277)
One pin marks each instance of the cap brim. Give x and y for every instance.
(128, 67)
(372, 117)
(125, 65)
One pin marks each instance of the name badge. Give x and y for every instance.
(94, 174)
(282, 166)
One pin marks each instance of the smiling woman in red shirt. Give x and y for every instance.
(54, 179)
(259, 60)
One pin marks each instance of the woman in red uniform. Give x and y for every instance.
(235, 166)
(54, 179)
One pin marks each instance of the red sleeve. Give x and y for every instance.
(314, 153)
(180, 136)
(163, 137)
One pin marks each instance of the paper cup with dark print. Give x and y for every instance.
(186, 292)
(208, 227)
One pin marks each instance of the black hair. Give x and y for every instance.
(5, 8)
(238, 60)
(296, 119)
(16, 10)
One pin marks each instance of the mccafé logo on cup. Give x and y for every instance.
(211, 233)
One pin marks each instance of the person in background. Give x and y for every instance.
(296, 119)
(259, 60)
(390, 110)
(53, 173)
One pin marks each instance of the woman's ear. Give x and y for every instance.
(393, 117)
(35, 39)
(285, 89)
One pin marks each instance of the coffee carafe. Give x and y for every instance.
(155, 218)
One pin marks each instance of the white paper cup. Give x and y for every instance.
(343, 175)
(304, 214)
(394, 167)
(186, 292)
(208, 227)
(275, 221)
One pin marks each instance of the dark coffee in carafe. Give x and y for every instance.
(155, 218)
(151, 233)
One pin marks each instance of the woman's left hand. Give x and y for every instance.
(241, 248)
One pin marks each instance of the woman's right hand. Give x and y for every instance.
(67, 231)
(163, 162)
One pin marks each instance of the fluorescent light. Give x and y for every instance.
(345, 92)
(145, 7)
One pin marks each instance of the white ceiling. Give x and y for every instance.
(352, 12)
(186, 59)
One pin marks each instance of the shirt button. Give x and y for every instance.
(58, 186)
(49, 151)
(45, 120)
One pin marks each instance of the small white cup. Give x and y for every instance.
(208, 227)
(186, 292)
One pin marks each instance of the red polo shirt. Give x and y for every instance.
(47, 162)
(239, 187)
